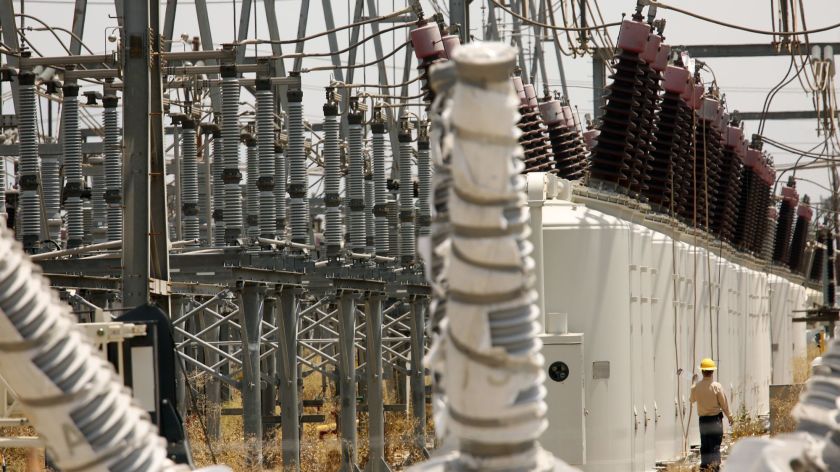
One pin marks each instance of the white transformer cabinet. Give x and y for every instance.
(564, 397)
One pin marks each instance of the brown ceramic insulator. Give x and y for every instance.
(613, 155)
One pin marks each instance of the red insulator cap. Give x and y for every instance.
(520, 90)
(805, 212)
(590, 137)
(734, 137)
(710, 109)
(531, 95)
(697, 96)
(569, 115)
(426, 41)
(676, 79)
(450, 44)
(552, 112)
(790, 195)
(633, 36)
(752, 159)
(651, 48)
(661, 62)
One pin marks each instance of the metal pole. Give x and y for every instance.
(417, 378)
(376, 421)
(288, 378)
(347, 380)
(136, 143)
(459, 15)
(178, 310)
(599, 83)
(251, 392)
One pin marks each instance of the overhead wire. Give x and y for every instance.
(555, 27)
(333, 30)
(734, 26)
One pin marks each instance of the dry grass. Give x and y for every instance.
(319, 452)
(18, 459)
(679, 467)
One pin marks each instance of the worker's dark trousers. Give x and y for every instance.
(711, 435)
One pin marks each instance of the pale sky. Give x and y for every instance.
(745, 81)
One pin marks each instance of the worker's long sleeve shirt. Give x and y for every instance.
(710, 398)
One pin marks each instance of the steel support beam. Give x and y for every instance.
(251, 333)
(459, 14)
(375, 404)
(136, 140)
(213, 386)
(79, 15)
(10, 39)
(303, 20)
(599, 85)
(288, 378)
(417, 377)
(329, 22)
(269, 365)
(347, 380)
(779, 115)
(206, 34)
(244, 26)
(169, 24)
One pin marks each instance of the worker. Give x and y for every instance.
(711, 406)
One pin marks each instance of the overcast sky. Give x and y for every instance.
(745, 81)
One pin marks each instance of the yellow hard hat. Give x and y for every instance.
(707, 364)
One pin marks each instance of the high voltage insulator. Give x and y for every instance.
(800, 235)
(252, 197)
(231, 175)
(113, 167)
(656, 55)
(354, 182)
(567, 145)
(406, 196)
(709, 154)
(429, 49)
(729, 182)
(51, 186)
(74, 180)
(370, 191)
(30, 165)
(332, 176)
(266, 160)
(772, 218)
(787, 210)
(189, 181)
(648, 102)
(747, 201)
(218, 184)
(280, 196)
(613, 157)
(298, 183)
(534, 140)
(380, 184)
(664, 179)
(694, 171)
(684, 155)
(424, 181)
(767, 177)
(818, 261)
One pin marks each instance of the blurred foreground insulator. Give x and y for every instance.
(800, 236)
(693, 193)
(781, 242)
(570, 152)
(663, 179)
(613, 157)
(534, 139)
